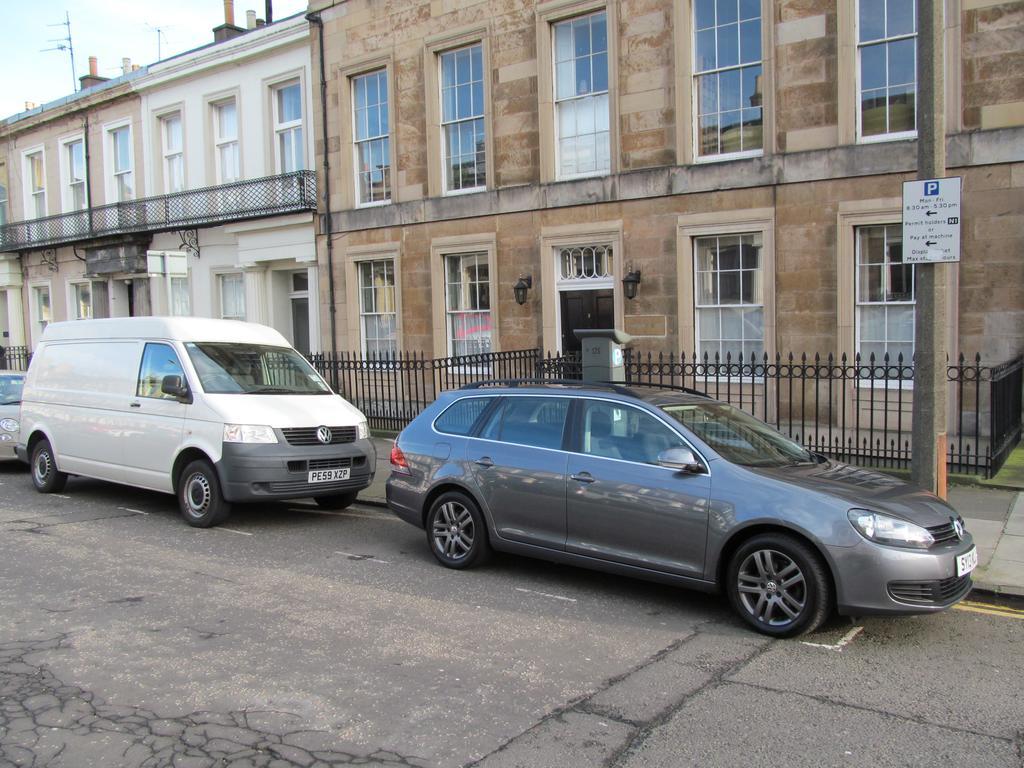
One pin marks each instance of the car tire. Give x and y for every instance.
(457, 532)
(45, 475)
(337, 501)
(779, 585)
(199, 496)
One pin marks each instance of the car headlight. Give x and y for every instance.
(362, 430)
(9, 425)
(885, 529)
(248, 433)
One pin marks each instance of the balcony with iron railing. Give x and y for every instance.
(190, 209)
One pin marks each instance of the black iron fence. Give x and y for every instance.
(14, 358)
(852, 409)
(855, 409)
(238, 200)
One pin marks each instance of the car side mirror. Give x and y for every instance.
(681, 459)
(175, 387)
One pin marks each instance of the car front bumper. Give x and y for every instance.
(876, 579)
(266, 472)
(8, 446)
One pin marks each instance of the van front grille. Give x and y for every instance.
(308, 435)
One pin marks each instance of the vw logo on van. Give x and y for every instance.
(324, 435)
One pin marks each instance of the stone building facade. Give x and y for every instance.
(743, 158)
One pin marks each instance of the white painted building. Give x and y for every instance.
(218, 117)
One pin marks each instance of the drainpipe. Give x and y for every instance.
(88, 170)
(314, 18)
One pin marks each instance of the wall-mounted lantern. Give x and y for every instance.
(630, 282)
(522, 287)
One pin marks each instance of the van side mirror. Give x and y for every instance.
(175, 387)
(681, 459)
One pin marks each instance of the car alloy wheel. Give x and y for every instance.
(772, 588)
(454, 530)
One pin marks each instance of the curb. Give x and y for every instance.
(985, 588)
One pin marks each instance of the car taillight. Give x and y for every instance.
(398, 460)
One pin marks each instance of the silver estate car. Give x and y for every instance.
(678, 488)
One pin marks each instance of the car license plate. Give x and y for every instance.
(328, 475)
(967, 562)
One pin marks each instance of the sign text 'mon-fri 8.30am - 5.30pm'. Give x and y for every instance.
(931, 221)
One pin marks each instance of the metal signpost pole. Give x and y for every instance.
(930, 327)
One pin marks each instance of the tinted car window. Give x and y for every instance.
(461, 415)
(158, 360)
(534, 421)
(614, 431)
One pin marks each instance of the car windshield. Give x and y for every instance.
(253, 369)
(10, 389)
(737, 436)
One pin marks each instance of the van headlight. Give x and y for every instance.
(885, 529)
(362, 430)
(248, 433)
(11, 425)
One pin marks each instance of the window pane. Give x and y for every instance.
(901, 62)
(626, 434)
(227, 120)
(871, 19)
(289, 103)
(750, 41)
(158, 360)
(459, 418)
(728, 45)
(872, 67)
(534, 421)
(172, 132)
(726, 11)
(704, 13)
(705, 50)
(873, 111)
(729, 90)
(750, 9)
(900, 17)
(900, 323)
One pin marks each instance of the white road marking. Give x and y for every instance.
(134, 511)
(546, 594)
(230, 530)
(371, 558)
(60, 495)
(844, 641)
(368, 516)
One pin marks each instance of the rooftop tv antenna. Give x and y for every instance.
(160, 39)
(64, 44)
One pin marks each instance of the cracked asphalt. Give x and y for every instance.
(295, 637)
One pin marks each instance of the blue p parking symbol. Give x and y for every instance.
(931, 188)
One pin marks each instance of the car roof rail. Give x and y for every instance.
(674, 388)
(616, 387)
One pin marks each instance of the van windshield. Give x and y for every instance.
(253, 369)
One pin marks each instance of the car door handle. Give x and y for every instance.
(135, 405)
(583, 477)
(484, 461)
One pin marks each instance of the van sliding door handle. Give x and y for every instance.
(135, 405)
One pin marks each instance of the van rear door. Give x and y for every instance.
(156, 420)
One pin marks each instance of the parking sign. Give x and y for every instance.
(931, 221)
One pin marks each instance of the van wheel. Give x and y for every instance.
(45, 475)
(199, 496)
(779, 586)
(337, 501)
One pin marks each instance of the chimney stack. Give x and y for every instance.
(93, 78)
(126, 65)
(30, 105)
(227, 30)
(260, 23)
(250, 19)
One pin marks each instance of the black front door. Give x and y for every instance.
(585, 309)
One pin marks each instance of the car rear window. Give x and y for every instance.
(461, 415)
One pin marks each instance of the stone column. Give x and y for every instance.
(10, 282)
(255, 293)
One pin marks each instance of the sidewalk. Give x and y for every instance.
(994, 514)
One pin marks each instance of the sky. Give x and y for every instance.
(107, 29)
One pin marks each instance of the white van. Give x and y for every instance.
(214, 411)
